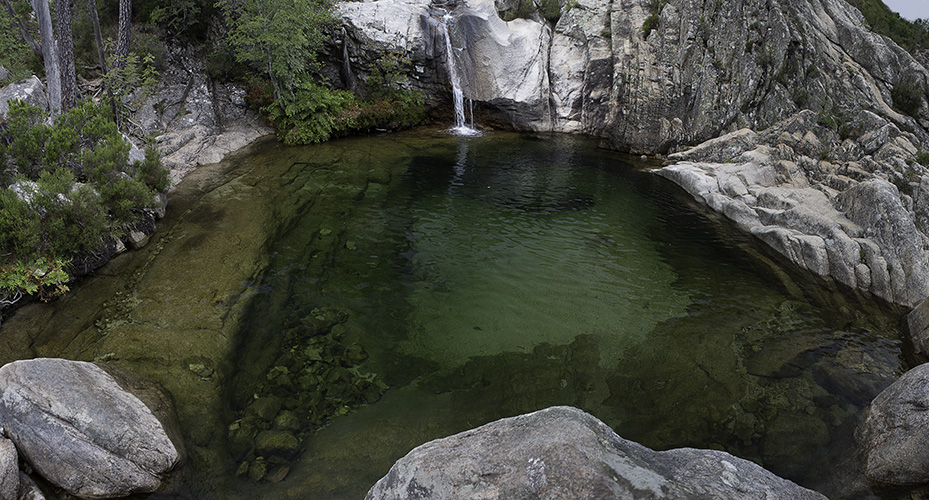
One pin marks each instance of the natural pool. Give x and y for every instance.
(334, 306)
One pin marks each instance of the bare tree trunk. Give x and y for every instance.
(34, 45)
(50, 55)
(122, 41)
(101, 53)
(66, 55)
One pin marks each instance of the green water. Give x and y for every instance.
(318, 312)
(487, 277)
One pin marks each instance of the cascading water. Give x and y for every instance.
(461, 126)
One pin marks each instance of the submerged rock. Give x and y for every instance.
(562, 452)
(79, 429)
(895, 432)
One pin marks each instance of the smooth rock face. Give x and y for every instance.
(823, 202)
(562, 452)
(9, 470)
(81, 431)
(895, 431)
(706, 70)
(30, 90)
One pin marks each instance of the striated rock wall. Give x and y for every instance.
(812, 156)
(709, 67)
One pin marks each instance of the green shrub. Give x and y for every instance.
(922, 157)
(66, 188)
(906, 98)
(909, 35)
(651, 22)
(311, 116)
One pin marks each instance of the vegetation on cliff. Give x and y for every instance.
(912, 36)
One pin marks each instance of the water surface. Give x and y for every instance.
(358, 298)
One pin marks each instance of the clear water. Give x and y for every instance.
(492, 276)
(318, 312)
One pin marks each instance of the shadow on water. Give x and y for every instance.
(355, 299)
(487, 277)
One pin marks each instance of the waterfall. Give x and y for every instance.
(461, 126)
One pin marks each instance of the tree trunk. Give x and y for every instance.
(34, 45)
(50, 55)
(101, 53)
(122, 41)
(66, 55)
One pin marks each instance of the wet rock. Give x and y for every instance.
(81, 431)
(266, 408)
(562, 452)
(257, 470)
(9, 470)
(277, 443)
(895, 432)
(287, 421)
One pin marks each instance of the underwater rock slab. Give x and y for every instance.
(895, 431)
(563, 452)
(81, 430)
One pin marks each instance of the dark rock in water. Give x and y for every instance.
(277, 444)
(266, 408)
(895, 432)
(81, 431)
(9, 470)
(562, 452)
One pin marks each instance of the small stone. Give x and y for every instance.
(242, 470)
(257, 470)
(325, 232)
(265, 408)
(277, 443)
(278, 475)
(287, 420)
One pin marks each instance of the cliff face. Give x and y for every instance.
(708, 68)
(813, 156)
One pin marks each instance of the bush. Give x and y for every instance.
(66, 188)
(922, 157)
(906, 98)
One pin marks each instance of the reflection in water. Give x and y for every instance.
(376, 293)
(499, 275)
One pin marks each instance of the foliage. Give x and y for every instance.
(550, 10)
(314, 115)
(318, 113)
(180, 17)
(65, 188)
(922, 157)
(47, 277)
(651, 22)
(909, 35)
(278, 38)
(15, 55)
(907, 97)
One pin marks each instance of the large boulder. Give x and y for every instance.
(81, 430)
(9, 470)
(562, 452)
(895, 431)
(30, 90)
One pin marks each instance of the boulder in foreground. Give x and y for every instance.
(562, 452)
(81, 430)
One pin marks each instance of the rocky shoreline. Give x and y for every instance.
(797, 143)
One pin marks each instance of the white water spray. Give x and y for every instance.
(461, 126)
